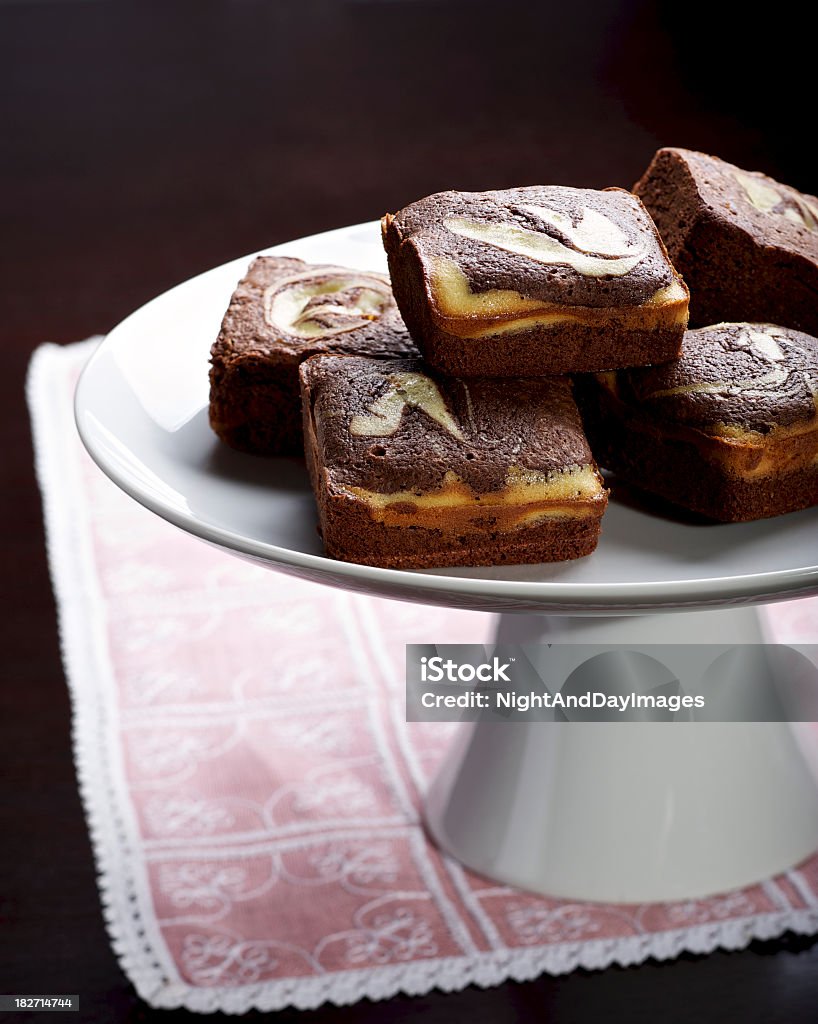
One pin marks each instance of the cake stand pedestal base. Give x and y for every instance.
(630, 811)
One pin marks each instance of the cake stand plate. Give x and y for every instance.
(656, 811)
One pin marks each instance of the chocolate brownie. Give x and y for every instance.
(536, 280)
(730, 430)
(283, 311)
(411, 469)
(746, 245)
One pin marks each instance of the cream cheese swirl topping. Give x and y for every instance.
(767, 348)
(791, 205)
(322, 305)
(594, 246)
(404, 389)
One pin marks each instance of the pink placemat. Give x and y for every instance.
(253, 791)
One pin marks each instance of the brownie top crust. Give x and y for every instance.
(392, 425)
(732, 378)
(549, 243)
(775, 214)
(285, 309)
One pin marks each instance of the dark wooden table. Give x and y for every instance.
(145, 142)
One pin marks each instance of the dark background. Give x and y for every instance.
(144, 142)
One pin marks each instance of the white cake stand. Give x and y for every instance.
(604, 811)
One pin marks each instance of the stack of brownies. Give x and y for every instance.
(439, 420)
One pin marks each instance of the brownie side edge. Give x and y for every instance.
(646, 457)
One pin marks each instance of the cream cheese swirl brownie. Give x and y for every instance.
(283, 311)
(746, 244)
(730, 430)
(411, 469)
(537, 280)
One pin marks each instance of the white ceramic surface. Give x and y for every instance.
(630, 811)
(141, 410)
(595, 811)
